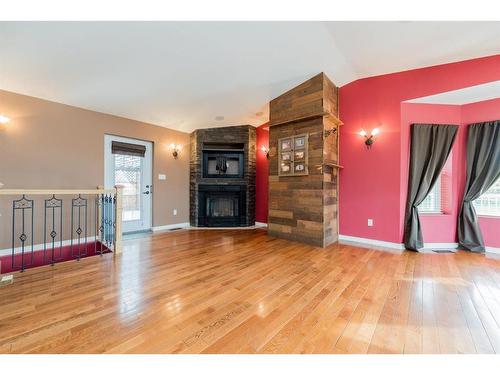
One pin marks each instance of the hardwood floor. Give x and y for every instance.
(241, 291)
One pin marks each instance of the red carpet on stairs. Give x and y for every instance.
(42, 258)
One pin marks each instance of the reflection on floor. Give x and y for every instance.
(234, 291)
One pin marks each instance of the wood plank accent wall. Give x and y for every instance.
(305, 208)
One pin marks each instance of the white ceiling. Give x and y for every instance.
(467, 95)
(183, 75)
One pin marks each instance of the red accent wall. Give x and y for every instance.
(262, 174)
(479, 112)
(488, 110)
(373, 183)
(442, 228)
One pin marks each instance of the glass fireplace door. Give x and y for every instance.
(222, 207)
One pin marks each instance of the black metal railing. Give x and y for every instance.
(52, 205)
(64, 226)
(25, 208)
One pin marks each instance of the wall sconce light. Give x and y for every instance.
(4, 120)
(265, 150)
(369, 139)
(175, 150)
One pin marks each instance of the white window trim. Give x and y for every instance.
(480, 213)
(439, 210)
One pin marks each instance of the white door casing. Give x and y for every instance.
(135, 174)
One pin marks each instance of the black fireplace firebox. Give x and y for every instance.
(221, 205)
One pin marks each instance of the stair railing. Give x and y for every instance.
(44, 222)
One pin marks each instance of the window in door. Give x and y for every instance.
(128, 173)
(128, 162)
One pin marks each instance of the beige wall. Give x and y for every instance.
(51, 145)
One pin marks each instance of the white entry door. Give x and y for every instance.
(131, 168)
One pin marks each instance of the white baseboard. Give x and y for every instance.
(493, 250)
(258, 224)
(440, 245)
(170, 227)
(226, 228)
(368, 241)
(41, 246)
(400, 246)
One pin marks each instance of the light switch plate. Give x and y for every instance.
(162, 177)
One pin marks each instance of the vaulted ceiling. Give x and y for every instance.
(188, 75)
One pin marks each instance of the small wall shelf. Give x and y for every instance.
(334, 165)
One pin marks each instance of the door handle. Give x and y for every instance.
(150, 189)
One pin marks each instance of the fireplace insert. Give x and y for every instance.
(221, 205)
(223, 164)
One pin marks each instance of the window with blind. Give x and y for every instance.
(488, 204)
(439, 199)
(432, 203)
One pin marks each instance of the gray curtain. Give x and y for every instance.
(483, 169)
(430, 147)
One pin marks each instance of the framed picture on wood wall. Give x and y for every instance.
(300, 142)
(286, 168)
(299, 155)
(293, 155)
(286, 156)
(286, 144)
(300, 168)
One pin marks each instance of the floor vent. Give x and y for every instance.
(443, 251)
(175, 229)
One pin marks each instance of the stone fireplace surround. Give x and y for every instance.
(244, 137)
